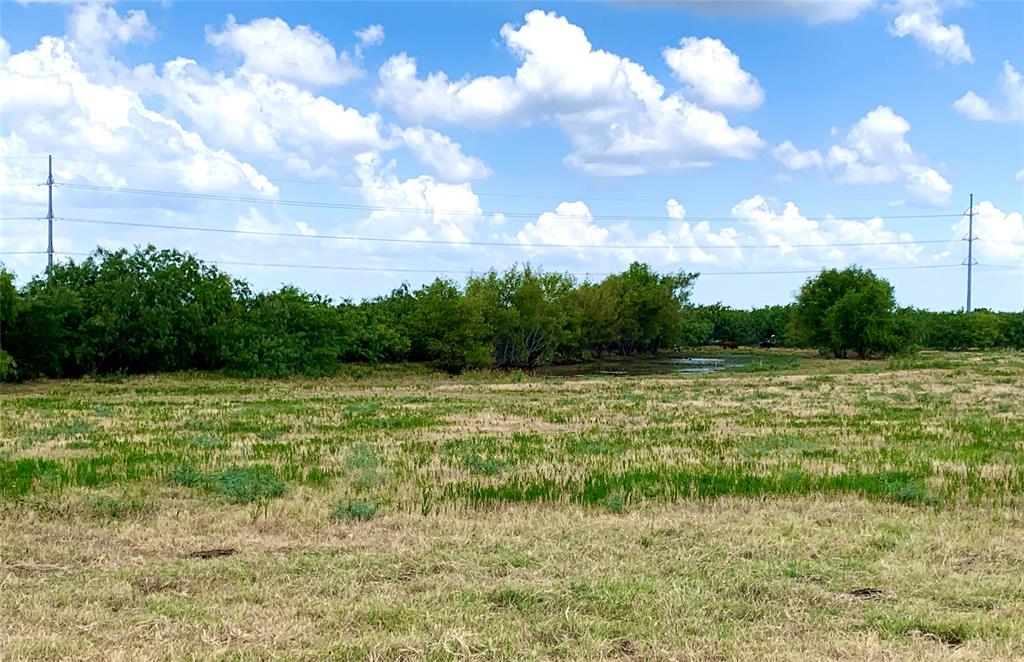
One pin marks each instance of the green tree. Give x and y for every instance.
(379, 327)
(851, 309)
(43, 336)
(527, 312)
(8, 313)
(597, 307)
(447, 327)
(648, 307)
(289, 332)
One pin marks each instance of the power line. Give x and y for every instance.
(1005, 267)
(1008, 267)
(590, 273)
(371, 208)
(511, 244)
(422, 210)
(332, 267)
(306, 182)
(345, 268)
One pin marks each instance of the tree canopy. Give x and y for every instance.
(151, 310)
(849, 309)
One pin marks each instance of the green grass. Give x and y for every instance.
(793, 426)
(239, 485)
(122, 506)
(354, 509)
(512, 515)
(246, 484)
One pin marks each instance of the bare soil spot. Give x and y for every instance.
(868, 593)
(212, 553)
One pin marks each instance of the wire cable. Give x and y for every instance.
(589, 273)
(445, 242)
(421, 210)
(306, 182)
(333, 267)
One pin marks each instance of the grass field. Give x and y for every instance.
(797, 508)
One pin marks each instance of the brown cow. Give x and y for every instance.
(728, 344)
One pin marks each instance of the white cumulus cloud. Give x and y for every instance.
(93, 27)
(922, 20)
(876, 151)
(443, 155)
(675, 209)
(50, 103)
(255, 113)
(1001, 234)
(569, 223)
(258, 113)
(794, 234)
(371, 35)
(415, 208)
(1010, 110)
(618, 117)
(270, 46)
(927, 185)
(791, 157)
(712, 74)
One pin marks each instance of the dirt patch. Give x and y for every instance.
(212, 553)
(867, 593)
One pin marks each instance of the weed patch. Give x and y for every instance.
(355, 510)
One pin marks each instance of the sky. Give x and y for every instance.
(345, 148)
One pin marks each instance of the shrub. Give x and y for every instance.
(120, 507)
(186, 476)
(247, 484)
(355, 509)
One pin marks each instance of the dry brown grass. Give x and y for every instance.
(931, 570)
(732, 579)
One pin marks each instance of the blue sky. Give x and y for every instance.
(751, 141)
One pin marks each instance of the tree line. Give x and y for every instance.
(151, 310)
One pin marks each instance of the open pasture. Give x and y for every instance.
(797, 508)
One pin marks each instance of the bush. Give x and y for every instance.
(120, 507)
(355, 509)
(246, 484)
(186, 476)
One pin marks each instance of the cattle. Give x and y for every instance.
(768, 342)
(728, 344)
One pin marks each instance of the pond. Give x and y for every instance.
(631, 367)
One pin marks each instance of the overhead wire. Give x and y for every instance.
(379, 269)
(426, 210)
(469, 242)
(416, 210)
(362, 185)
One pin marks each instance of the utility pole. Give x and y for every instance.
(970, 249)
(49, 218)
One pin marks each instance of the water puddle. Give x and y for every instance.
(679, 365)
